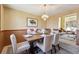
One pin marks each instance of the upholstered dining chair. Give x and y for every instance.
(29, 31)
(38, 31)
(55, 41)
(20, 47)
(46, 45)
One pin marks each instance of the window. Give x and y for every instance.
(59, 23)
(71, 22)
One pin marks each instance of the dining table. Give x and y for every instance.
(32, 38)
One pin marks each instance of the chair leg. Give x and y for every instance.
(58, 46)
(27, 51)
(54, 48)
(44, 52)
(51, 51)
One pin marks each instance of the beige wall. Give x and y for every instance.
(1, 34)
(18, 20)
(2, 17)
(53, 20)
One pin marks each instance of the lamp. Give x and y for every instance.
(44, 16)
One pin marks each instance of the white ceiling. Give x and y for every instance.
(37, 9)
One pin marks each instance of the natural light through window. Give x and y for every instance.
(59, 23)
(70, 22)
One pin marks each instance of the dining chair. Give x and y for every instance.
(29, 31)
(38, 31)
(46, 45)
(20, 47)
(35, 29)
(55, 41)
(42, 31)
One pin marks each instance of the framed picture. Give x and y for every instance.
(32, 22)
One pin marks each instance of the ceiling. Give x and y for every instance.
(38, 9)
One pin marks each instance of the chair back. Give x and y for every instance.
(13, 42)
(55, 39)
(38, 30)
(29, 31)
(47, 43)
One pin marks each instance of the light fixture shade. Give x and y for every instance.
(44, 17)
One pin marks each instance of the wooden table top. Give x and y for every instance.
(33, 38)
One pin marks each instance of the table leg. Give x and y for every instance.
(32, 48)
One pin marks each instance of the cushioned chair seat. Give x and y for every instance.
(24, 46)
